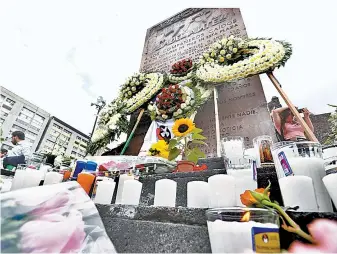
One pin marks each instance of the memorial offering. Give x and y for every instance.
(58, 218)
(181, 71)
(260, 198)
(241, 230)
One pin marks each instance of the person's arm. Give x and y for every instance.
(306, 118)
(277, 118)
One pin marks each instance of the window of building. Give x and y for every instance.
(6, 108)
(2, 98)
(2, 121)
(4, 114)
(57, 126)
(27, 112)
(66, 132)
(17, 128)
(24, 118)
(31, 135)
(36, 123)
(10, 102)
(78, 137)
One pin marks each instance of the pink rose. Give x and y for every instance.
(53, 233)
(54, 205)
(324, 233)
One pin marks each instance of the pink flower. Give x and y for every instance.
(324, 233)
(53, 233)
(54, 205)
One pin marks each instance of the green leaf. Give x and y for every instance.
(197, 130)
(192, 157)
(198, 152)
(198, 136)
(173, 142)
(199, 142)
(174, 153)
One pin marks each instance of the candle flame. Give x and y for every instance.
(246, 217)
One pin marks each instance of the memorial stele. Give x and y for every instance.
(242, 106)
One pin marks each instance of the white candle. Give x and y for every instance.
(32, 178)
(52, 178)
(104, 191)
(314, 168)
(330, 182)
(165, 193)
(234, 151)
(131, 192)
(197, 194)
(122, 179)
(18, 180)
(222, 191)
(299, 191)
(44, 170)
(232, 236)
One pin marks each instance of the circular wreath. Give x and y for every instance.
(172, 102)
(139, 89)
(233, 58)
(181, 71)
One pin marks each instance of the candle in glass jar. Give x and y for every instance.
(221, 191)
(122, 179)
(330, 182)
(197, 194)
(165, 193)
(299, 191)
(233, 236)
(104, 192)
(131, 192)
(313, 167)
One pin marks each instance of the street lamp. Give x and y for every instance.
(99, 105)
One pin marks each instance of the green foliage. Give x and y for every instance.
(332, 138)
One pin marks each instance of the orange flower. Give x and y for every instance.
(248, 199)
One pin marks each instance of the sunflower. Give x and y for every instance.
(183, 127)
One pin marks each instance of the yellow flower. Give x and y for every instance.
(183, 127)
(221, 59)
(160, 149)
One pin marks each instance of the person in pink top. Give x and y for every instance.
(287, 125)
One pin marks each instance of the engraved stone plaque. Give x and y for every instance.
(242, 105)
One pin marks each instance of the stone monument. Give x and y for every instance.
(242, 105)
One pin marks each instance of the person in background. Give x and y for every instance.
(287, 125)
(21, 151)
(3, 152)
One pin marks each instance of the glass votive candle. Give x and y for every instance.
(262, 146)
(239, 230)
(233, 150)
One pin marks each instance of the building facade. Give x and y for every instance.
(19, 114)
(60, 137)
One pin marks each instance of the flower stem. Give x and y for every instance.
(292, 223)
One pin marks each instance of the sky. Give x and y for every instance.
(61, 55)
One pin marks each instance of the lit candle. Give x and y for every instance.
(330, 182)
(53, 178)
(197, 194)
(222, 191)
(299, 191)
(122, 179)
(86, 181)
(233, 236)
(165, 193)
(131, 192)
(104, 192)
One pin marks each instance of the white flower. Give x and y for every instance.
(183, 105)
(175, 113)
(112, 127)
(179, 111)
(150, 107)
(164, 116)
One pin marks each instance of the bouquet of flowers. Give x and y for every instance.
(181, 70)
(173, 101)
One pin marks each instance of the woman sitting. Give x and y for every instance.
(287, 125)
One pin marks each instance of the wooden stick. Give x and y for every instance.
(133, 131)
(310, 135)
(217, 124)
